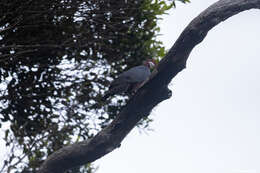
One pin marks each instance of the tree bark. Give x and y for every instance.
(151, 94)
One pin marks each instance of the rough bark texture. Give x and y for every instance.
(151, 94)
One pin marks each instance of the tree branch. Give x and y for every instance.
(151, 94)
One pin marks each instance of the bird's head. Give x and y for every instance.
(150, 63)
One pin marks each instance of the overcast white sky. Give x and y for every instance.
(211, 124)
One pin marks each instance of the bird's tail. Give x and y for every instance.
(116, 89)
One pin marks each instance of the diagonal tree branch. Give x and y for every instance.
(151, 94)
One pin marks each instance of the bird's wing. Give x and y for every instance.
(135, 75)
(128, 78)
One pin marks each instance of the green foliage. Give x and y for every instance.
(57, 57)
(183, 1)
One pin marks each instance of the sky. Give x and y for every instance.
(211, 123)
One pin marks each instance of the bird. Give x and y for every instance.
(131, 80)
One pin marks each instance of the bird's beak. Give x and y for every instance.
(151, 64)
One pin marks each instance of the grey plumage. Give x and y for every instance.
(128, 81)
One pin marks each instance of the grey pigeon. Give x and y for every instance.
(131, 80)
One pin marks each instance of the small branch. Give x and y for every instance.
(5, 57)
(150, 95)
(19, 19)
(30, 46)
